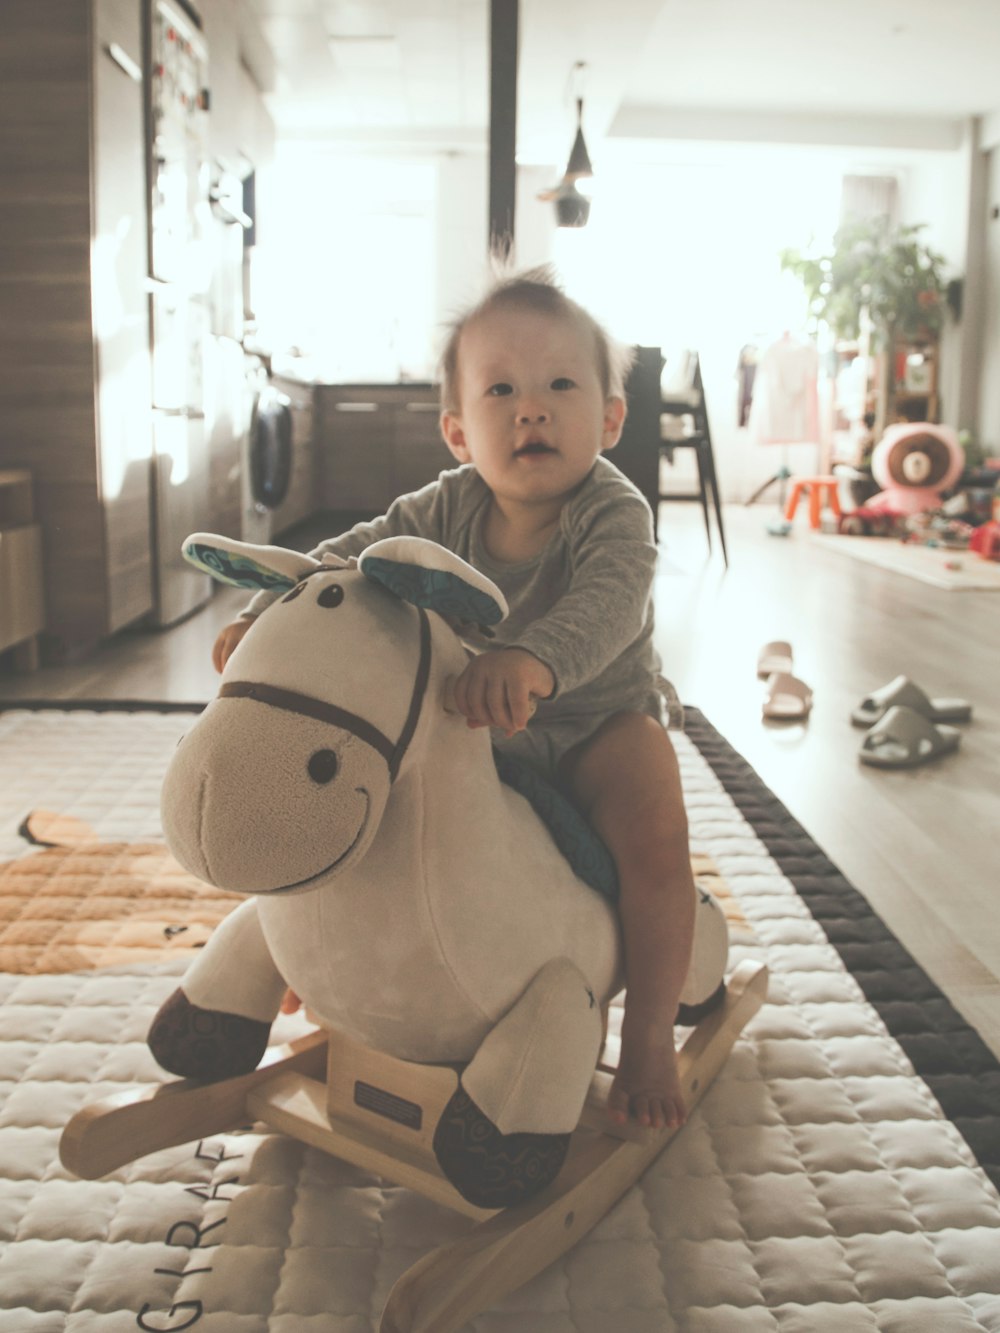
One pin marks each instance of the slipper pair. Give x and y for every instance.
(788, 699)
(906, 726)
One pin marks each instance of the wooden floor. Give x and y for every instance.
(923, 846)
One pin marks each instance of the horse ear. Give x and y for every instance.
(245, 565)
(428, 575)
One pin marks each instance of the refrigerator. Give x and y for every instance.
(180, 285)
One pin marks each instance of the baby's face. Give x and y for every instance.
(532, 415)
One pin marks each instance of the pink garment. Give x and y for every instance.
(785, 400)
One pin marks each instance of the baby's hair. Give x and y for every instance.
(536, 289)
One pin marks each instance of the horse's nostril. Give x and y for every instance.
(323, 766)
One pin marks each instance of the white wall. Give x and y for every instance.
(989, 383)
(682, 251)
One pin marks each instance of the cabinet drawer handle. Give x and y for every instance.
(124, 61)
(356, 407)
(423, 407)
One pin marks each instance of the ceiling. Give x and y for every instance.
(415, 72)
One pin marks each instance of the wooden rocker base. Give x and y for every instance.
(379, 1113)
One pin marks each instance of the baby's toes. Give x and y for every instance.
(644, 1109)
(618, 1104)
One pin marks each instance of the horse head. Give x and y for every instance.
(283, 781)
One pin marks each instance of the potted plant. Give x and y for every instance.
(881, 285)
(878, 267)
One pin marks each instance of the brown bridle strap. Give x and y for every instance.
(306, 705)
(417, 697)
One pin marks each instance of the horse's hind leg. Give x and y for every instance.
(503, 1136)
(216, 1024)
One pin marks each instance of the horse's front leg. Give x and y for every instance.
(217, 1023)
(504, 1134)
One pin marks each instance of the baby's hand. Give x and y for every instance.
(499, 688)
(229, 638)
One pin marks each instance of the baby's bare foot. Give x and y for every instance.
(647, 1087)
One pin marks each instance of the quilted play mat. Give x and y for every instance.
(840, 1174)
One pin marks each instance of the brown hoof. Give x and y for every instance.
(490, 1169)
(205, 1044)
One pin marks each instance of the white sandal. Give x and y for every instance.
(788, 698)
(774, 659)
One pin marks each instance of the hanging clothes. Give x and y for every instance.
(746, 370)
(785, 408)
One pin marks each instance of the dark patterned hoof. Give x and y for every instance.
(490, 1169)
(205, 1044)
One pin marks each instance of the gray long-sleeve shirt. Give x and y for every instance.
(583, 605)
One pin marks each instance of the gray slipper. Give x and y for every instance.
(904, 738)
(903, 693)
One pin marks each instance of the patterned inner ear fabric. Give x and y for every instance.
(835, 1177)
(239, 570)
(435, 589)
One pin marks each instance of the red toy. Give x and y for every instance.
(985, 540)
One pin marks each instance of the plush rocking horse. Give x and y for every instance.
(450, 930)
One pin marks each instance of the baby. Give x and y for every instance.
(533, 396)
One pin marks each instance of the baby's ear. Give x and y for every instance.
(454, 436)
(614, 419)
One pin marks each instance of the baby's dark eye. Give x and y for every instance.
(563, 382)
(331, 595)
(290, 596)
(322, 766)
(499, 390)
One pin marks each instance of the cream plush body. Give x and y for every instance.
(914, 463)
(407, 895)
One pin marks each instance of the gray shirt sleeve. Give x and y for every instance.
(605, 609)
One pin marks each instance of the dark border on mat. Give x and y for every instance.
(947, 1053)
(97, 706)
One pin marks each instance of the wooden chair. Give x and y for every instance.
(379, 1113)
(647, 440)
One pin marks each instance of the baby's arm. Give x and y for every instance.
(606, 605)
(229, 638)
(498, 688)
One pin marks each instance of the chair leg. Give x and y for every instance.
(714, 485)
(699, 456)
(815, 500)
(793, 501)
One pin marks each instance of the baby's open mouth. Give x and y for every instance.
(534, 447)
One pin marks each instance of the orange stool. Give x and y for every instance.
(816, 486)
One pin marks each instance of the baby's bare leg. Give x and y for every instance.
(626, 780)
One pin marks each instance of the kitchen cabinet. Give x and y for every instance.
(377, 442)
(21, 602)
(74, 332)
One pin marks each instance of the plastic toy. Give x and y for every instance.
(985, 540)
(914, 463)
(424, 913)
(866, 522)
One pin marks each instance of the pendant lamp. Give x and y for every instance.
(572, 207)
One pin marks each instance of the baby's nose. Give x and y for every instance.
(532, 413)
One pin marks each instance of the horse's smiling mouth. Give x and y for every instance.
(309, 879)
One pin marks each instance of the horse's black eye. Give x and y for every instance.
(323, 766)
(290, 596)
(331, 595)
